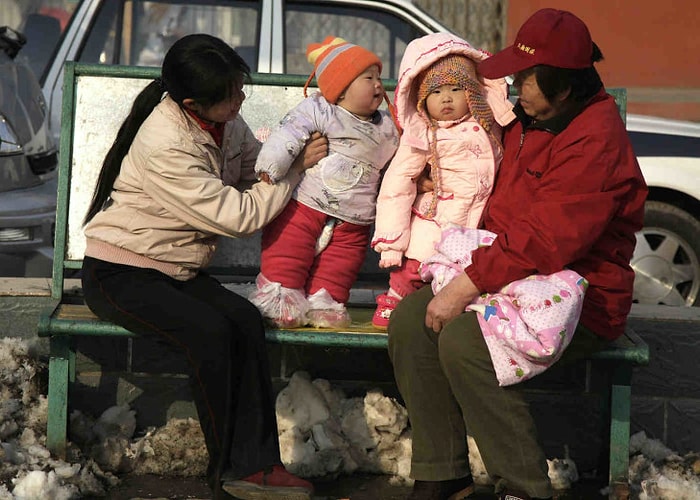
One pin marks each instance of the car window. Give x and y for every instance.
(140, 33)
(42, 23)
(384, 33)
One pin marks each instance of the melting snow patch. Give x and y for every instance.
(323, 434)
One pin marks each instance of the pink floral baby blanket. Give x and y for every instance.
(528, 323)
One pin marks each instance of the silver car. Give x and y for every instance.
(28, 160)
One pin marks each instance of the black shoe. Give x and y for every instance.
(452, 489)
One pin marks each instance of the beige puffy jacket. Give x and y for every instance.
(169, 201)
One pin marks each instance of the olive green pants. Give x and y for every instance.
(449, 385)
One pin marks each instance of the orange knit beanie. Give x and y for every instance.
(336, 64)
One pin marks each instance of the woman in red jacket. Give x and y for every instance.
(569, 194)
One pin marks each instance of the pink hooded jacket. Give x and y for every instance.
(468, 159)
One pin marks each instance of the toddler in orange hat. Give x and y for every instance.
(313, 251)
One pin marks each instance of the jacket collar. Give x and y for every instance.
(216, 130)
(171, 108)
(557, 123)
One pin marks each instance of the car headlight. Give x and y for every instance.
(9, 142)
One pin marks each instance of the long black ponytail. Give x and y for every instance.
(199, 67)
(142, 107)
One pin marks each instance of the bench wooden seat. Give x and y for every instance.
(77, 319)
(81, 150)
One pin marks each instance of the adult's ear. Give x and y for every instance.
(191, 104)
(563, 95)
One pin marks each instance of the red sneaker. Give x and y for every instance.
(385, 305)
(270, 484)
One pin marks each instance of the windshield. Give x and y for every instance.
(42, 22)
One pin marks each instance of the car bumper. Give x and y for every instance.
(27, 218)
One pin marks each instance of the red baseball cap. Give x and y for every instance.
(550, 36)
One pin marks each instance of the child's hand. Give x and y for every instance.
(265, 177)
(390, 258)
(424, 184)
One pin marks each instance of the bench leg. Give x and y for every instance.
(620, 402)
(60, 360)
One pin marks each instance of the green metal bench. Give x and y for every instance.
(96, 98)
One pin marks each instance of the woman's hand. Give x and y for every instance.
(316, 148)
(450, 302)
(424, 184)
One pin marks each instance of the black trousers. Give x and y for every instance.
(221, 336)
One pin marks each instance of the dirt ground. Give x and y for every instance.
(355, 487)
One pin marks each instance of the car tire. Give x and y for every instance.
(666, 258)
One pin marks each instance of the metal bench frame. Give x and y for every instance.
(68, 319)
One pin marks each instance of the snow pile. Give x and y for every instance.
(562, 471)
(176, 449)
(660, 473)
(322, 432)
(27, 470)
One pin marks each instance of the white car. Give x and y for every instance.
(667, 256)
(272, 36)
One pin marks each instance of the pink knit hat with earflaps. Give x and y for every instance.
(456, 69)
(459, 70)
(453, 69)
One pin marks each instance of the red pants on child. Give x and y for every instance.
(289, 252)
(405, 279)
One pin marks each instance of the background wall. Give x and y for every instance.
(480, 22)
(652, 48)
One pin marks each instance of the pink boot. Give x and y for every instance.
(385, 305)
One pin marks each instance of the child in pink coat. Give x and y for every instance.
(451, 120)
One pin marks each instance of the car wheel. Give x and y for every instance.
(666, 260)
